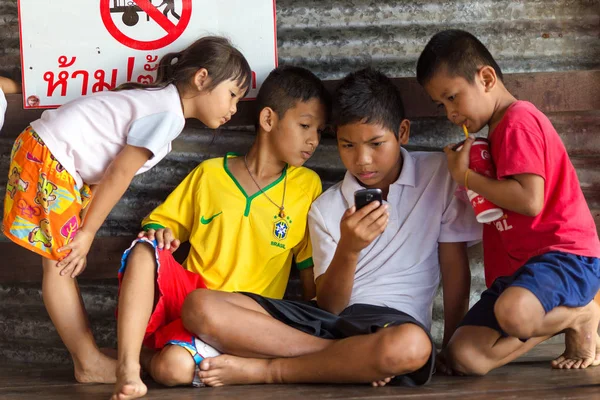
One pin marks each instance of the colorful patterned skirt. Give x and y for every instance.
(43, 204)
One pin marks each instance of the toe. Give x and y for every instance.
(558, 360)
(205, 365)
(204, 374)
(585, 363)
(213, 382)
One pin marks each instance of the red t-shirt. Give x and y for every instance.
(526, 142)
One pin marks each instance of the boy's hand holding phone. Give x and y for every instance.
(359, 227)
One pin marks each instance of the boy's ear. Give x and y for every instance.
(201, 79)
(487, 76)
(404, 132)
(267, 119)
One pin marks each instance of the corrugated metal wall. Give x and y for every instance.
(333, 38)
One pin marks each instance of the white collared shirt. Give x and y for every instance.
(399, 269)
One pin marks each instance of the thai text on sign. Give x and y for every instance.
(71, 49)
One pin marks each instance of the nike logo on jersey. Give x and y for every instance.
(205, 221)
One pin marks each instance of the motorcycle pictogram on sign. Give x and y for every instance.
(130, 17)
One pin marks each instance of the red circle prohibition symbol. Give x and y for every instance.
(173, 30)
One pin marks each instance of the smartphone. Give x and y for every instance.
(365, 196)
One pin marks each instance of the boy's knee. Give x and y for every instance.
(142, 253)
(518, 313)
(196, 311)
(466, 359)
(403, 349)
(173, 366)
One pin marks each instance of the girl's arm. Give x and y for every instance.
(115, 182)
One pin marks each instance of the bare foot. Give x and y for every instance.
(129, 384)
(597, 358)
(566, 359)
(101, 370)
(582, 343)
(231, 370)
(382, 382)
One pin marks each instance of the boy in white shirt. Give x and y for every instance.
(377, 268)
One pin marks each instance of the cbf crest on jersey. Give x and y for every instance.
(281, 227)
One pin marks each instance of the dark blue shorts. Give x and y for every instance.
(555, 278)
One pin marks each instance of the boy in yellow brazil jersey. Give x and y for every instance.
(245, 217)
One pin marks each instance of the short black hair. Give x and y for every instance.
(461, 53)
(287, 85)
(368, 96)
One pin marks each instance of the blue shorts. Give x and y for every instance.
(555, 278)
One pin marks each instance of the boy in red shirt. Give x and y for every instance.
(541, 258)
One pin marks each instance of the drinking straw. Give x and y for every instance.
(465, 131)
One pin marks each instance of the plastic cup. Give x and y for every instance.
(480, 161)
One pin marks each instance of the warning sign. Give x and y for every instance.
(71, 49)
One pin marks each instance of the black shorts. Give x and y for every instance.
(358, 319)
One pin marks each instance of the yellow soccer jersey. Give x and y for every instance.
(238, 242)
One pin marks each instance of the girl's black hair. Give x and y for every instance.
(213, 53)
